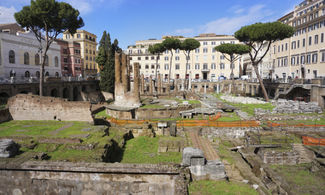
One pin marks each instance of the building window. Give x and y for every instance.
(139, 58)
(86, 57)
(222, 66)
(65, 60)
(188, 66)
(303, 42)
(197, 76)
(323, 56)
(158, 66)
(166, 66)
(197, 66)
(11, 57)
(27, 74)
(176, 66)
(322, 37)
(37, 62)
(146, 58)
(47, 74)
(286, 46)
(205, 66)
(314, 58)
(86, 50)
(213, 66)
(297, 60)
(205, 43)
(166, 58)
(308, 58)
(37, 74)
(147, 66)
(78, 35)
(213, 43)
(293, 59)
(46, 60)
(197, 50)
(56, 61)
(298, 43)
(152, 57)
(222, 57)
(177, 58)
(310, 41)
(302, 59)
(316, 39)
(205, 50)
(177, 51)
(232, 66)
(293, 45)
(152, 66)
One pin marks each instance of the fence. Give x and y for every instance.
(271, 124)
(311, 141)
(191, 123)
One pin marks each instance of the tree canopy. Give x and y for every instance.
(189, 44)
(232, 49)
(47, 19)
(171, 44)
(256, 36)
(156, 49)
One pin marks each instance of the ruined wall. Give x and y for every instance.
(279, 157)
(159, 113)
(32, 107)
(5, 115)
(82, 178)
(234, 132)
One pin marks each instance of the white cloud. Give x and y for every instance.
(87, 6)
(184, 31)
(7, 14)
(228, 25)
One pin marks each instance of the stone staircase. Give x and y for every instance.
(306, 156)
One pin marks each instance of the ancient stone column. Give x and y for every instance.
(136, 81)
(150, 85)
(117, 67)
(159, 84)
(124, 73)
(142, 84)
(128, 73)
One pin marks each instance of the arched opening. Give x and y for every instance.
(54, 93)
(75, 94)
(3, 99)
(56, 74)
(27, 74)
(47, 74)
(37, 74)
(37, 62)
(26, 58)
(12, 73)
(11, 57)
(65, 93)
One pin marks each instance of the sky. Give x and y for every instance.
(132, 20)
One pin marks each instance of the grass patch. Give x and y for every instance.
(233, 117)
(62, 129)
(152, 106)
(321, 121)
(300, 179)
(224, 152)
(145, 150)
(3, 106)
(220, 187)
(102, 114)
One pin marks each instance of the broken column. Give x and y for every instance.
(159, 84)
(124, 73)
(142, 84)
(136, 81)
(150, 85)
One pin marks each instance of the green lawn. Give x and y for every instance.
(60, 129)
(220, 187)
(145, 150)
(233, 117)
(102, 114)
(300, 179)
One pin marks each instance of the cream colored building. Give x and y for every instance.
(302, 55)
(88, 47)
(204, 64)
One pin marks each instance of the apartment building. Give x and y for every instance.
(303, 54)
(71, 62)
(20, 56)
(204, 64)
(88, 49)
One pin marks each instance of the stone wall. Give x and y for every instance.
(159, 113)
(32, 107)
(84, 178)
(279, 157)
(5, 115)
(235, 132)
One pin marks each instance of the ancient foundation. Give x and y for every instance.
(96, 178)
(33, 107)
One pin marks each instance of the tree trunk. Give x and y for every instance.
(232, 73)
(261, 82)
(156, 78)
(185, 79)
(170, 66)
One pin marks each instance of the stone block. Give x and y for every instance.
(8, 148)
(213, 170)
(189, 153)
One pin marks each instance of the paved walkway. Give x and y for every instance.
(202, 143)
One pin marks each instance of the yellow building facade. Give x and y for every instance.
(88, 47)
